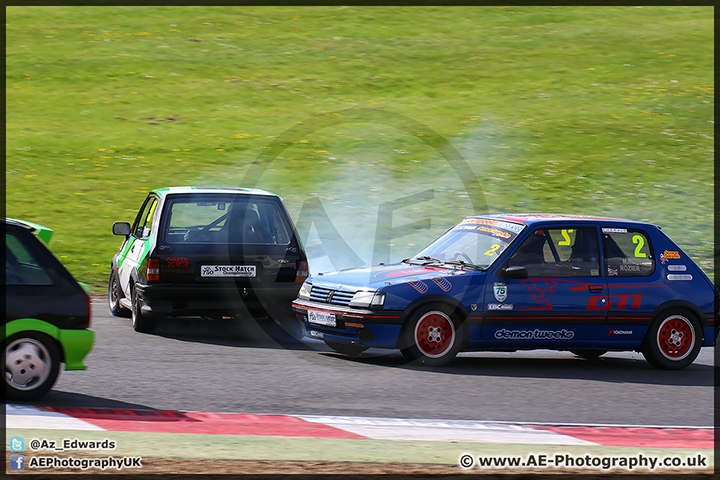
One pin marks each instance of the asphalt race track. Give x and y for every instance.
(236, 366)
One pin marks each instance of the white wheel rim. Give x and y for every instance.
(27, 364)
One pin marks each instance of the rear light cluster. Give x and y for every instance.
(153, 270)
(301, 267)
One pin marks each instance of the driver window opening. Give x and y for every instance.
(559, 252)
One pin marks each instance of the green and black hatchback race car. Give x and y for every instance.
(209, 252)
(47, 314)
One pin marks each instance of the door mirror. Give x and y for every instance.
(514, 272)
(121, 228)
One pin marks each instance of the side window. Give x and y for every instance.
(272, 221)
(627, 253)
(145, 219)
(21, 266)
(559, 252)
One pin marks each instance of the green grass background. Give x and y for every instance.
(587, 110)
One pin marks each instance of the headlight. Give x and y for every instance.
(366, 299)
(304, 292)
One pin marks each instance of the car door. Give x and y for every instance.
(635, 285)
(138, 244)
(554, 304)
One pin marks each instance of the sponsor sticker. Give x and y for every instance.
(537, 334)
(319, 317)
(500, 291)
(676, 276)
(500, 306)
(512, 227)
(669, 255)
(228, 271)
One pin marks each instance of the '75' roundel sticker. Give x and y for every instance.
(500, 291)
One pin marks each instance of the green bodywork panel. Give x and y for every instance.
(44, 233)
(74, 343)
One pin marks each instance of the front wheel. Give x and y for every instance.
(673, 340)
(433, 336)
(32, 365)
(141, 323)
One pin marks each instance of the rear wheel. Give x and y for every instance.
(673, 340)
(346, 348)
(114, 296)
(433, 336)
(32, 365)
(141, 323)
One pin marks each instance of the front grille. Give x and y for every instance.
(328, 295)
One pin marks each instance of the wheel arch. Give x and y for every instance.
(682, 305)
(420, 302)
(22, 325)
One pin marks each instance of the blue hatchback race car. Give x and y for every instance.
(519, 282)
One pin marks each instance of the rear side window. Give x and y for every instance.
(21, 266)
(627, 253)
(227, 220)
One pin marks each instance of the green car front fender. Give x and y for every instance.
(75, 344)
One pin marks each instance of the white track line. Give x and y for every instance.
(26, 416)
(444, 430)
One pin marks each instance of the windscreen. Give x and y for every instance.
(476, 241)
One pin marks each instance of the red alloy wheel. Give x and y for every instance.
(434, 334)
(676, 337)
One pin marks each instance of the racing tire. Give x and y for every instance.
(589, 353)
(346, 348)
(32, 365)
(673, 340)
(140, 323)
(433, 335)
(114, 296)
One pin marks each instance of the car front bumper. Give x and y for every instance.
(358, 326)
(76, 344)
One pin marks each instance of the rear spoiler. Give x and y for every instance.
(44, 233)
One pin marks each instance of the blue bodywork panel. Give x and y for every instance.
(605, 297)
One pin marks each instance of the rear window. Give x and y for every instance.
(225, 220)
(21, 266)
(627, 253)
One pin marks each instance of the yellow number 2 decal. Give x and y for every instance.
(640, 244)
(493, 249)
(565, 235)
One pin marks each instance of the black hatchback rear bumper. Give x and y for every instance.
(216, 300)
